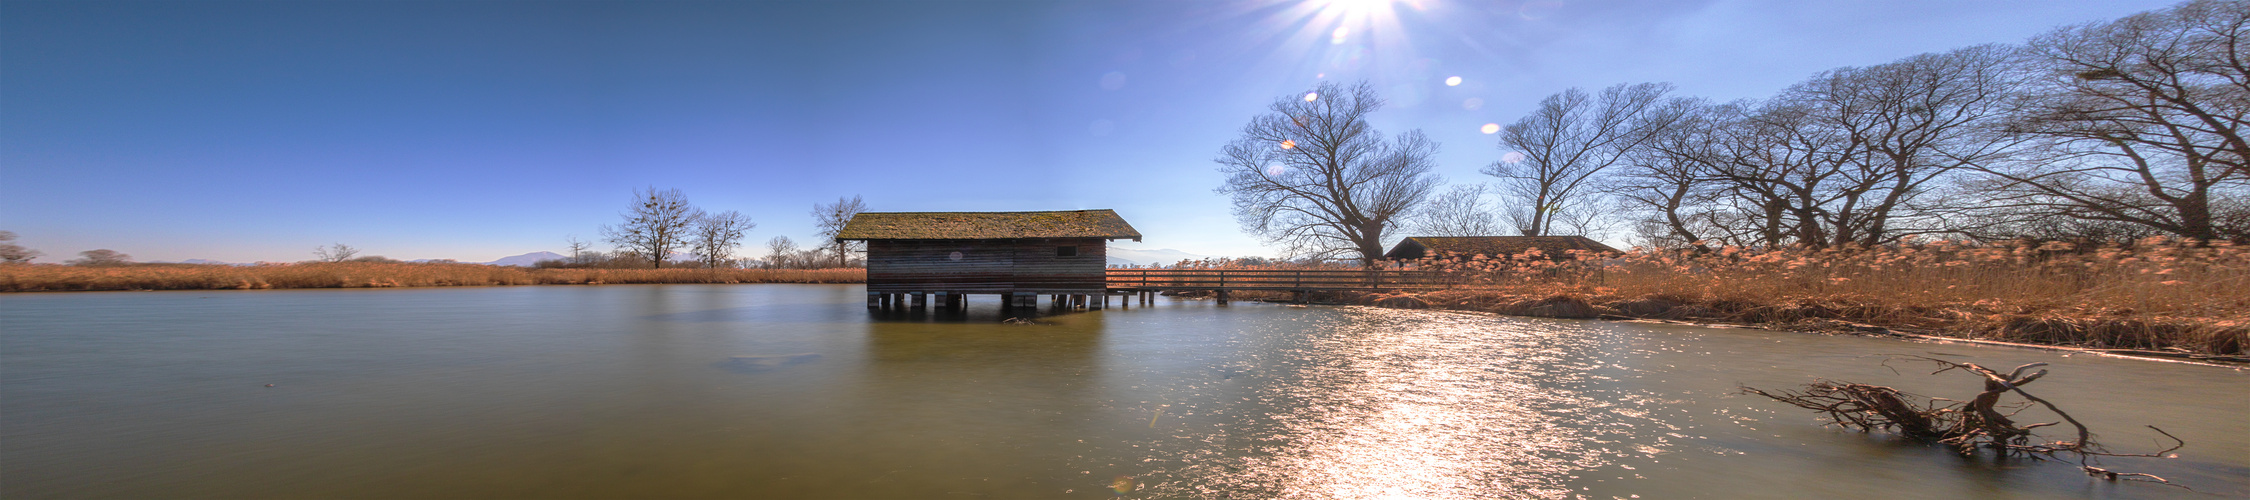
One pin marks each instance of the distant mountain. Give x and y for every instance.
(527, 260)
(1145, 256)
(207, 262)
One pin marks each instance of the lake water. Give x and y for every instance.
(797, 391)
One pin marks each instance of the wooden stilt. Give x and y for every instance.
(921, 300)
(1222, 296)
(874, 300)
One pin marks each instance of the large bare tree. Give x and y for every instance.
(1313, 177)
(2143, 122)
(831, 218)
(1668, 187)
(1854, 155)
(655, 225)
(1567, 141)
(715, 236)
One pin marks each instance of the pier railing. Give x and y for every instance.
(1271, 279)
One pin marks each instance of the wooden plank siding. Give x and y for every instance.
(987, 266)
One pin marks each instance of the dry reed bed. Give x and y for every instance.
(2154, 294)
(40, 278)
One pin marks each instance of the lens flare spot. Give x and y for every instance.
(1452, 81)
(1275, 170)
(1493, 128)
(1472, 104)
(1113, 80)
(1339, 36)
(1512, 157)
(1310, 96)
(1288, 144)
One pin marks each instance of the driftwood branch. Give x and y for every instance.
(1981, 422)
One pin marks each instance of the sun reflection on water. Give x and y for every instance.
(1400, 404)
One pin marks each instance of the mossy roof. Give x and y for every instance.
(1494, 246)
(987, 225)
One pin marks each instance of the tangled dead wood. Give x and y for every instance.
(1982, 422)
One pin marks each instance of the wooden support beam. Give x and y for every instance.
(874, 300)
(920, 300)
(1222, 296)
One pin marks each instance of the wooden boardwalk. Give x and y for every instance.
(1145, 283)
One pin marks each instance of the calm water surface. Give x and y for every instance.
(796, 391)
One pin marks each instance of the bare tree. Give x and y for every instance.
(1921, 120)
(2143, 120)
(715, 236)
(1569, 140)
(656, 224)
(1314, 177)
(831, 218)
(1852, 156)
(1667, 186)
(11, 253)
(781, 253)
(101, 257)
(335, 253)
(578, 249)
(1460, 211)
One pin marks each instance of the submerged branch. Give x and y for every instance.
(1981, 422)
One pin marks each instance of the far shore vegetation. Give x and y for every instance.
(2158, 294)
(55, 278)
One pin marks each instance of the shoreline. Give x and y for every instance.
(1564, 307)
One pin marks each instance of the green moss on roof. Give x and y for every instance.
(987, 225)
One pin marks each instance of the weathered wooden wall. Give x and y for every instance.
(986, 266)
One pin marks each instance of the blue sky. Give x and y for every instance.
(248, 131)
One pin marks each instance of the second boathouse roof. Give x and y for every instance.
(987, 225)
(1494, 246)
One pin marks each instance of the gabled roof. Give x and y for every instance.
(1493, 246)
(987, 225)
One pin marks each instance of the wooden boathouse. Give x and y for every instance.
(945, 256)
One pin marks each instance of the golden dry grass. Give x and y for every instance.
(39, 278)
(2155, 294)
